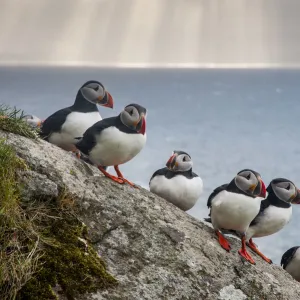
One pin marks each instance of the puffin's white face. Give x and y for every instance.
(285, 190)
(250, 183)
(95, 92)
(134, 117)
(179, 162)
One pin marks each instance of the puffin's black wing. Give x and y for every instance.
(263, 205)
(162, 171)
(288, 256)
(215, 193)
(88, 141)
(54, 122)
(212, 196)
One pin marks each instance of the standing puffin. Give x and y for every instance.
(255, 193)
(275, 212)
(62, 127)
(290, 261)
(234, 207)
(177, 183)
(115, 141)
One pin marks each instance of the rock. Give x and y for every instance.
(153, 249)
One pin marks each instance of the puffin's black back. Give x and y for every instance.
(88, 141)
(215, 193)
(169, 174)
(55, 121)
(288, 256)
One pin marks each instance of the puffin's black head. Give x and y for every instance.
(179, 161)
(251, 183)
(285, 190)
(94, 92)
(134, 117)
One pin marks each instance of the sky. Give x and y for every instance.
(139, 33)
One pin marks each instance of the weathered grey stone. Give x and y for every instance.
(154, 250)
(37, 185)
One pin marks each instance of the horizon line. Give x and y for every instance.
(149, 65)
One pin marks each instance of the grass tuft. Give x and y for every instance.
(11, 120)
(19, 253)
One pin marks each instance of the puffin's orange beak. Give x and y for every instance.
(263, 190)
(171, 162)
(110, 101)
(296, 200)
(143, 127)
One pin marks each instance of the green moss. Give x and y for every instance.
(11, 120)
(18, 242)
(42, 243)
(69, 262)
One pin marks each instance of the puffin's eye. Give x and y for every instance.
(96, 88)
(288, 187)
(131, 112)
(184, 158)
(248, 176)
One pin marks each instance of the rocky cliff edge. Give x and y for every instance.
(151, 249)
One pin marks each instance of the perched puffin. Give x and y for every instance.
(115, 141)
(62, 127)
(32, 120)
(256, 192)
(275, 212)
(290, 261)
(234, 207)
(177, 183)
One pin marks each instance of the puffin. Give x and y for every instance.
(177, 183)
(290, 262)
(115, 141)
(275, 212)
(256, 192)
(32, 120)
(62, 127)
(234, 207)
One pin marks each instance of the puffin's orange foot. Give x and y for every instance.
(246, 255)
(129, 182)
(112, 177)
(116, 179)
(78, 155)
(120, 175)
(253, 247)
(223, 242)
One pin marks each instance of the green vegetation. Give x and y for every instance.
(42, 243)
(19, 243)
(11, 120)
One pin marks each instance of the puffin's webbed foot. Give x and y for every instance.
(254, 248)
(120, 176)
(114, 178)
(243, 251)
(222, 241)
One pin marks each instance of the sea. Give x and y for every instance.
(226, 119)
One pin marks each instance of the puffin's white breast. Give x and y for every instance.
(75, 126)
(271, 221)
(114, 147)
(293, 266)
(179, 190)
(233, 211)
